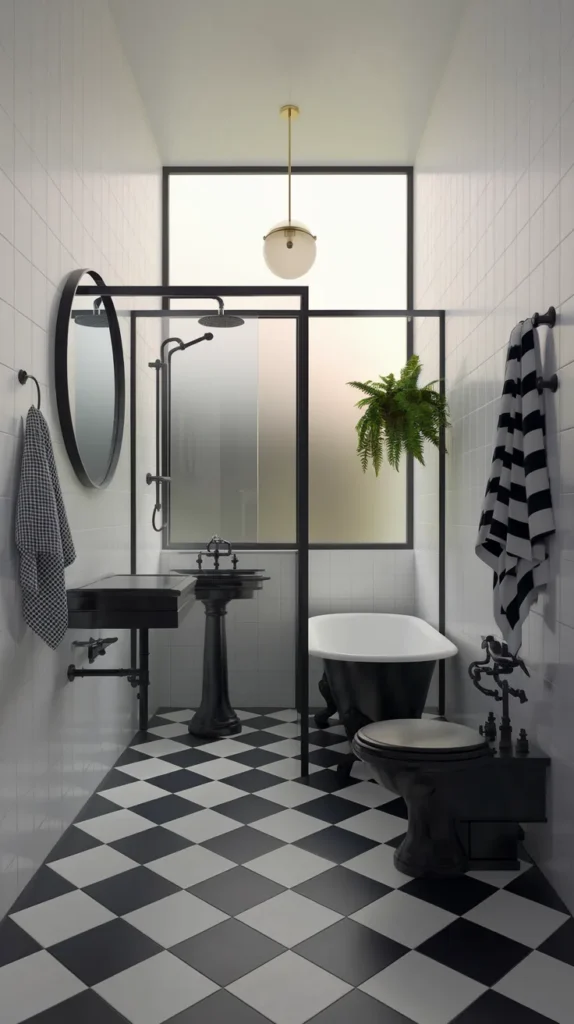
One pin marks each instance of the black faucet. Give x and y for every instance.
(503, 664)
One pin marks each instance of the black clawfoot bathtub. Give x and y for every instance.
(377, 665)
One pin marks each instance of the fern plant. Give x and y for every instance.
(398, 416)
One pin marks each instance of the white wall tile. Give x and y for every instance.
(500, 143)
(57, 739)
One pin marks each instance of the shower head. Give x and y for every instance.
(96, 318)
(221, 319)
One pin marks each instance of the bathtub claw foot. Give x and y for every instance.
(322, 717)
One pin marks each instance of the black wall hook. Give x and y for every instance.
(547, 319)
(23, 377)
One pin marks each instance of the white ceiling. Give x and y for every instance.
(213, 74)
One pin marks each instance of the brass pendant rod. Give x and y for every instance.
(289, 166)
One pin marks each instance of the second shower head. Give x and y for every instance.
(221, 319)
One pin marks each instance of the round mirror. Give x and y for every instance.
(90, 380)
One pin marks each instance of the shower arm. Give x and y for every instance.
(159, 365)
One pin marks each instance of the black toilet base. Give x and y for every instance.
(431, 847)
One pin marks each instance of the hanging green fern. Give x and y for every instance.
(398, 416)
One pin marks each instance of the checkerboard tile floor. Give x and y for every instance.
(206, 882)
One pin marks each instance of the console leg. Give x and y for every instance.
(144, 679)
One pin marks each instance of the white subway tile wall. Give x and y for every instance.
(79, 186)
(261, 632)
(494, 243)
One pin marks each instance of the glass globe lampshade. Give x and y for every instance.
(289, 249)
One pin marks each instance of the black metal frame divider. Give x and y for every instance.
(302, 546)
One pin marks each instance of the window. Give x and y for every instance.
(233, 414)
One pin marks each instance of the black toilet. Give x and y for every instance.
(424, 761)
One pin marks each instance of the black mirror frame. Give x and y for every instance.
(63, 321)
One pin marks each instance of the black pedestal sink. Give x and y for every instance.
(215, 588)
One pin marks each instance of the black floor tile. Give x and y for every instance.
(194, 742)
(254, 781)
(332, 808)
(477, 952)
(236, 890)
(263, 722)
(243, 844)
(492, 1008)
(187, 758)
(336, 844)
(326, 758)
(228, 951)
(350, 951)
(175, 782)
(101, 952)
(131, 890)
(151, 844)
(260, 739)
(397, 807)
(330, 782)
(323, 738)
(220, 1008)
(96, 806)
(256, 758)
(248, 808)
(86, 1007)
(561, 943)
(356, 1006)
(166, 808)
(74, 840)
(130, 756)
(534, 886)
(15, 943)
(44, 885)
(396, 840)
(342, 890)
(458, 895)
(113, 779)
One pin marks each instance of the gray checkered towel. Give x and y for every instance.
(43, 535)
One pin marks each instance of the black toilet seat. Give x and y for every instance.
(421, 739)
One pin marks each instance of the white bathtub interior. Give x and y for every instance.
(376, 637)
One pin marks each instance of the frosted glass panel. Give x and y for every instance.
(347, 505)
(217, 224)
(232, 434)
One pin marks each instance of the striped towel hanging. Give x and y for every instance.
(517, 519)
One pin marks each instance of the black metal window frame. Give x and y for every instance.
(407, 172)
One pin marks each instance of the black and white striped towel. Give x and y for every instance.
(43, 536)
(517, 519)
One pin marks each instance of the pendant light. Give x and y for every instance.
(289, 247)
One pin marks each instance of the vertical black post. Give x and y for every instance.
(133, 472)
(302, 645)
(144, 678)
(442, 518)
(410, 339)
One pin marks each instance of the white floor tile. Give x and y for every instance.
(115, 825)
(362, 770)
(289, 730)
(289, 918)
(290, 825)
(160, 748)
(34, 984)
(83, 869)
(370, 794)
(61, 918)
(289, 989)
(423, 990)
(202, 825)
(378, 864)
(190, 867)
(344, 747)
(219, 768)
(225, 748)
(171, 731)
(288, 768)
(375, 825)
(287, 748)
(289, 715)
(151, 768)
(244, 716)
(155, 990)
(404, 918)
(289, 866)
(517, 918)
(175, 918)
(133, 793)
(292, 794)
(211, 794)
(542, 984)
(178, 716)
(500, 878)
